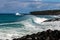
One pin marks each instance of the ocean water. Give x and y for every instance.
(13, 26)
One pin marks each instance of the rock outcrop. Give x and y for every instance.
(54, 19)
(46, 12)
(44, 35)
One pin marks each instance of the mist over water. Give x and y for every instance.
(12, 26)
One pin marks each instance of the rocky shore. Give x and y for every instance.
(44, 35)
(54, 19)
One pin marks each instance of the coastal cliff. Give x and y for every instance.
(46, 12)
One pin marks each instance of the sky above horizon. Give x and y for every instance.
(26, 6)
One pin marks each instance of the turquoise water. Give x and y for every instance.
(13, 26)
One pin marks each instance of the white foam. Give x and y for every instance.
(39, 20)
(18, 14)
(28, 28)
(56, 16)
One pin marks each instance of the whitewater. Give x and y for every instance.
(12, 26)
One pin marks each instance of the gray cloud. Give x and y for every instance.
(18, 6)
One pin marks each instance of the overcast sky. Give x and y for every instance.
(25, 6)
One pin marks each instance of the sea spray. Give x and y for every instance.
(27, 24)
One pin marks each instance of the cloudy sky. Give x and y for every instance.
(25, 6)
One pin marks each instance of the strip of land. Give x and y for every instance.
(46, 12)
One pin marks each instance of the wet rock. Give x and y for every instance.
(54, 19)
(44, 35)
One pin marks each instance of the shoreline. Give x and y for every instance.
(46, 12)
(44, 35)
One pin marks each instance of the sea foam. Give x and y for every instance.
(32, 24)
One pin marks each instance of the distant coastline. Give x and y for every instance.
(43, 12)
(46, 12)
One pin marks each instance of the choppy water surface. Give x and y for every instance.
(12, 26)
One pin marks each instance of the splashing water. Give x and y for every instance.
(27, 24)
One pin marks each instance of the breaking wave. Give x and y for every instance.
(28, 25)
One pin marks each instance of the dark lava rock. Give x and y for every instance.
(44, 35)
(54, 19)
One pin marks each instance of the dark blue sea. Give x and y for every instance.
(15, 26)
